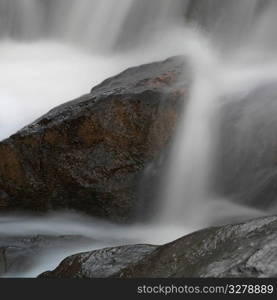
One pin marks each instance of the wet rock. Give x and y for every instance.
(242, 250)
(19, 254)
(247, 149)
(89, 154)
(101, 263)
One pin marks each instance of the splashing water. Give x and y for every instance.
(231, 49)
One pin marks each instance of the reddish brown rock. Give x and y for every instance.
(89, 154)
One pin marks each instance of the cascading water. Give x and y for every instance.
(52, 50)
(188, 195)
(189, 174)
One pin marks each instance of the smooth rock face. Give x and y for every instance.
(247, 150)
(18, 254)
(107, 262)
(242, 250)
(89, 154)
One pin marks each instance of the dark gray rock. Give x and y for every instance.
(242, 250)
(107, 262)
(247, 156)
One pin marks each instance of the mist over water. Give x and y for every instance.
(102, 234)
(71, 54)
(47, 59)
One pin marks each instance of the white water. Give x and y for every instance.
(187, 197)
(47, 59)
(103, 234)
(70, 46)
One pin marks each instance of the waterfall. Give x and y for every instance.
(190, 171)
(52, 51)
(233, 58)
(95, 24)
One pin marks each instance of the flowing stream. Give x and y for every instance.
(52, 51)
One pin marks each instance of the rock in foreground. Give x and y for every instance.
(89, 154)
(243, 250)
(107, 262)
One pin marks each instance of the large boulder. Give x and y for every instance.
(89, 154)
(241, 250)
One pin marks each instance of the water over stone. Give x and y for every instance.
(46, 59)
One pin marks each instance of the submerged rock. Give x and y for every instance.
(242, 250)
(89, 154)
(247, 148)
(19, 254)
